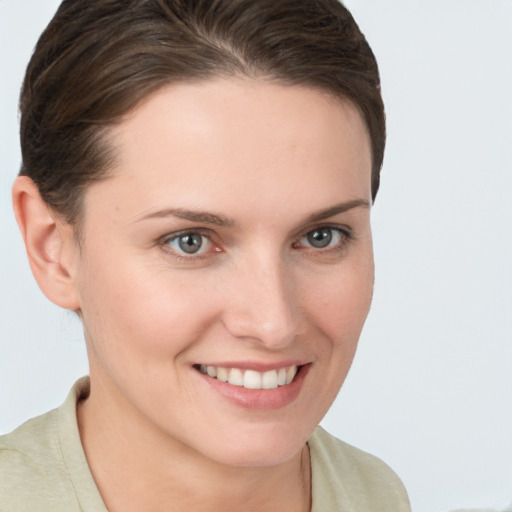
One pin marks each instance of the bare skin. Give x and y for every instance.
(191, 483)
(235, 234)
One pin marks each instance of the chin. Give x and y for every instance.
(260, 448)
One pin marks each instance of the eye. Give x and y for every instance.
(189, 243)
(324, 237)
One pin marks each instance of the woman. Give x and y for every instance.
(196, 184)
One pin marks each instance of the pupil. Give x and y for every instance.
(190, 243)
(320, 238)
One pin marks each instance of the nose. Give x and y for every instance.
(262, 304)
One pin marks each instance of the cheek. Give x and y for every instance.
(140, 312)
(336, 307)
(341, 305)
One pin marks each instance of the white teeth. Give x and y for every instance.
(251, 379)
(290, 373)
(222, 374)
(269, 380)
(236, 377)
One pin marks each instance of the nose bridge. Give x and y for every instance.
(263, 303)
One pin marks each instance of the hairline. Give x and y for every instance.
(111, 149)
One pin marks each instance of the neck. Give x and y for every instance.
(139, 468)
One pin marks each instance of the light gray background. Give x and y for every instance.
(430, 390)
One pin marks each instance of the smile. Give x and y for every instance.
(251, 379)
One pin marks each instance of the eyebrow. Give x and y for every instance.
(191, 215)
(222, 221)
(337, 209)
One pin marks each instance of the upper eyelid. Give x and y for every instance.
(345, 233)
(210, 234)
(164, 245)
(176, 234)
(170, 237)
(342, 228)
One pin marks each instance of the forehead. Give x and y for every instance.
(247, 139)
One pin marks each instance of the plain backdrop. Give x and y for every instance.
(430, 390)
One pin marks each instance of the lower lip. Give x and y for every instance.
(259, 399)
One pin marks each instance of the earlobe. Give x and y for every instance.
(49, 242)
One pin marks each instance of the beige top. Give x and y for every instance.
(43, 468)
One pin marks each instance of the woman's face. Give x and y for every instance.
(233, 239)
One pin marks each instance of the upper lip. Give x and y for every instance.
(256, 365)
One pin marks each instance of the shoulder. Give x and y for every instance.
(31, 469)
(30, 439)
(344, 474)
(34, 472)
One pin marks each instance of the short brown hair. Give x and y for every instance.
(98, 58)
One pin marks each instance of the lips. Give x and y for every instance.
(255, 386)
(251, 379)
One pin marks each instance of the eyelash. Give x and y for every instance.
(344, 233)
(190, 232)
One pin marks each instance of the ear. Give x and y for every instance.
(52, 251)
